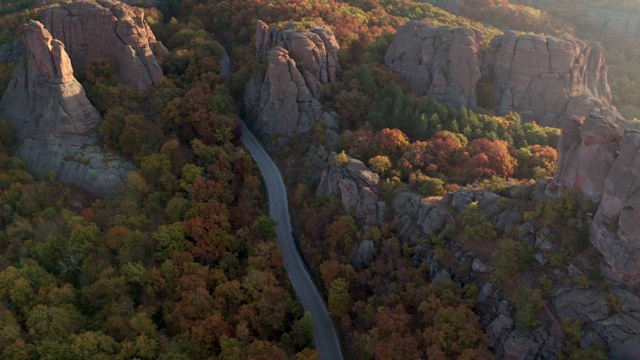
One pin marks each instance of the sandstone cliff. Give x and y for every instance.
(602, 159)
(546, 78)
(54, 120)
(541, 77)
(107, 28)
(441, 63)
(286, 101)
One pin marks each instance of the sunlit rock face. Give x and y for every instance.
(543, 78)
(55, 121)
(286, 102)
(438, 62)
(108, 29)
(601, 157)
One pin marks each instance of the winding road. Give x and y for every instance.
(324, 335)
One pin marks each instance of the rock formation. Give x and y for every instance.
(54, 120)
(541, 77)
(286, 101)
(620, 330)
(441, 63)
(419, 217)
(546, 78)
(587, 148)
(602, 159)
(616, 22)
(108, 29)
(355, 185)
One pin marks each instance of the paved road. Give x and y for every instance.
(324, 336)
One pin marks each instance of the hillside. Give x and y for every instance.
(461, 178)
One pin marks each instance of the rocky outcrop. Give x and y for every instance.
(541, 77)
(419, 217)
(284, 106)
(453, 6)
(355, 185)
(617, 327)
(315, 50)
(546, 78)
(54, 120)
(441, 63)
(602, 159)
(587, 150)
(614, 230)
(286, 101)
(615, 22)
(108, 29)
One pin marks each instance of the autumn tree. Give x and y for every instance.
(490, 158)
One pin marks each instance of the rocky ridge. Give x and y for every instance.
(108, 29)
(55, 121)
(286, 101)
(542, 77)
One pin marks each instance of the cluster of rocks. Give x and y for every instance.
(355, 185)
(54, 121)
(607, 317)
(286, 102)
(542, 77)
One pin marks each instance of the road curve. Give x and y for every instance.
(324, 336)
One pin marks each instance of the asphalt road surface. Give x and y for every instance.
(324, 336)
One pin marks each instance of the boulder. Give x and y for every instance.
(438, 62)
(55, 121)
(363, 255)
(108, 29)
(286, 101)
(419, 216)
(354, 184)
(479, 266)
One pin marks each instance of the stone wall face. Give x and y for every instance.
(541, 77)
